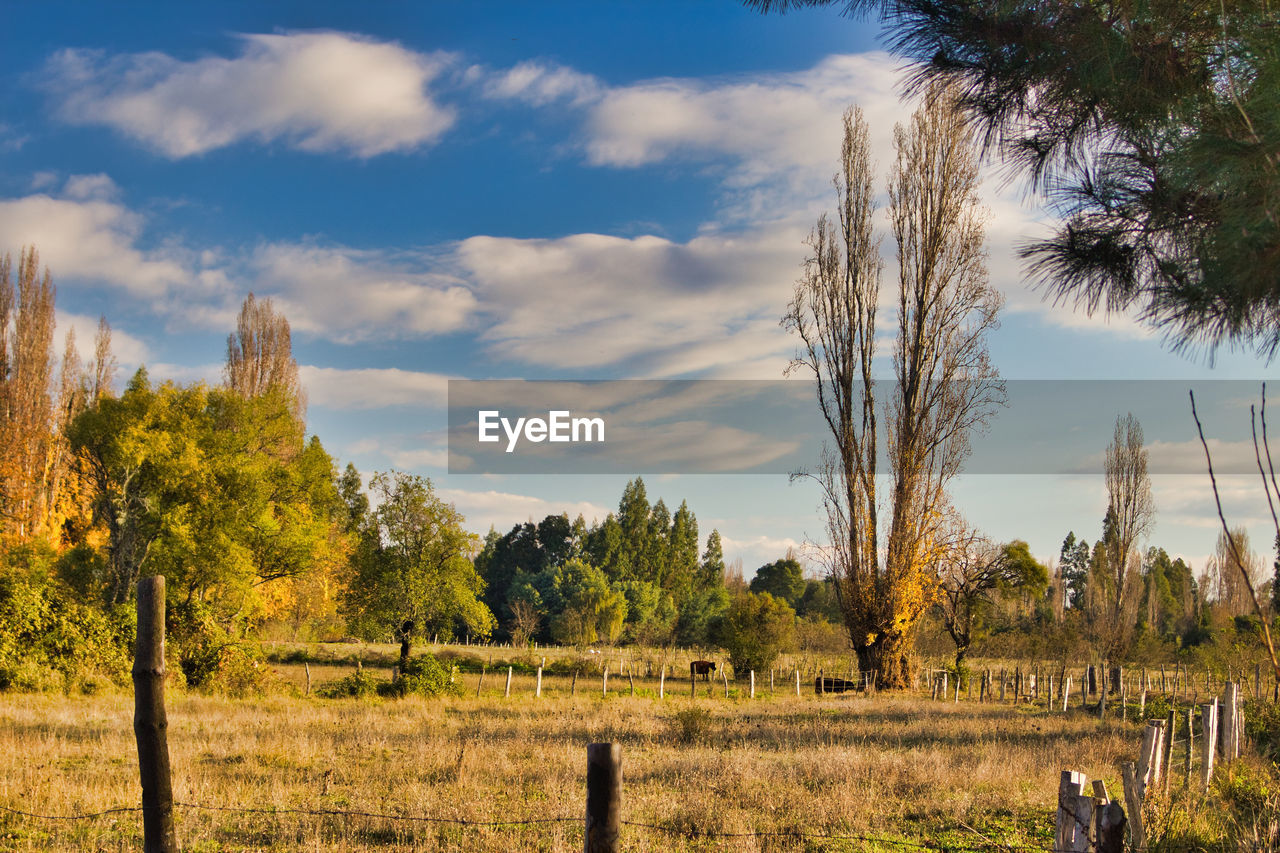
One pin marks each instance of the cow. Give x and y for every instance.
(703, 668)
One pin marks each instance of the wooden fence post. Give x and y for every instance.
(507, 692)
(150, 724)
(1069, 829)
(797, 683)
(537, 691)
(604, 681)
(1150, 757)
(1108, 821)
(307, 667)
(1191, 740)
(1066, 692)
(753, 684)
(1229, 725)
(604, 798)
(483, 669)
(724, 673)
(1209, 740)
(1133, 800)
(662, 682)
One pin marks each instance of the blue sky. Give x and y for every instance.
(483, 190)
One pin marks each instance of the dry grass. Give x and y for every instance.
(900, 767)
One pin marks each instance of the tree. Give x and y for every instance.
(974, 573)
(1073, 563)
(756, 628)
(712, 569)
(587, 606)
(260, 354)
(782, 579)
(27, 418)
(412, 573)
(1152, 129)
(1233, 568)
(218, 493)
(1128, 501)
(945, 384)
(144, 465)
(682, 572)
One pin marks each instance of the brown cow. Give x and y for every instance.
(703, 668)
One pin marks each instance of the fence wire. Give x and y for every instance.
(690, 833)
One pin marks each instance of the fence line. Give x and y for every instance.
(686, 832)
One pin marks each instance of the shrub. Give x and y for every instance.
(42, 628)
(357, 685)
(422, 676)
(691, 725)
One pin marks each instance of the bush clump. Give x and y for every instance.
(357, 685)
(50, 641)
(422, 676)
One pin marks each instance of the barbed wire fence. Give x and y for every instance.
(685, 832)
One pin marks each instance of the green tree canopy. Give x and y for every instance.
(782, 579)
(412, 573)
(755, 630)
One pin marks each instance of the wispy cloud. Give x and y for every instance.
(314, 91)
(372, 388)
(350, 295)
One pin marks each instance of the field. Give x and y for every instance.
(704, 773)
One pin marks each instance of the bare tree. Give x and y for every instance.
(945, 384)
(525, 620)
(1271, 489)
(260, 354)
(1132, 511)
(1233, 569)
(102, 370)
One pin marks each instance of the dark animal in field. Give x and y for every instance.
(703, 668)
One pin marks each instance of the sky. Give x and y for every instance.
(553, 191)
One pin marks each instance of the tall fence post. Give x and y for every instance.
(1229, 724)
(507, 692)
(1208, 740)
(150, 724)
(662, 682)
(537, 691)
(604, 798)
(1133, 799)
(797, 683)
(753, 684)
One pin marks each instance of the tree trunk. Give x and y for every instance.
(889, 657)
(406, 632)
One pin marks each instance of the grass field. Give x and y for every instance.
(709, 771)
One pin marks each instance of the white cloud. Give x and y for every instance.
(352, 295)
(538, 84)
(372, 388)
(128, 350)
(92, 240)
(321, 91)
(771, 125)
(504, 510)
(658, 306)
(86, 187)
